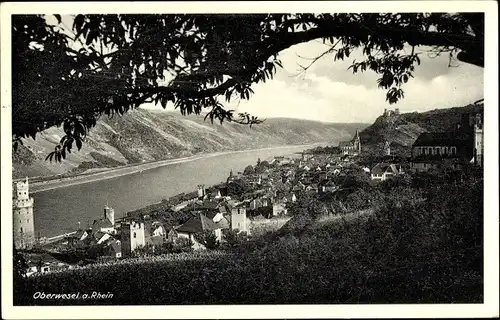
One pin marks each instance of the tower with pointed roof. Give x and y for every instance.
(22, 209)
(357, 142)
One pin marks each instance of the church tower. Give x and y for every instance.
(357, 142)
(23, 224)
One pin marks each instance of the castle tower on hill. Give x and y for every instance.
(22, 208)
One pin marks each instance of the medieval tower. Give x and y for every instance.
(22, 208)
(109, 213)
(132, 237)
(239, 219)
(201, 191)
(478, 140)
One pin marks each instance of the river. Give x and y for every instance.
(59, 210)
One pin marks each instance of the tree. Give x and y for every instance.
(20, 265)
(208, 239)
(353, 180)
(248, 170)
(237, 187)
(110, 64)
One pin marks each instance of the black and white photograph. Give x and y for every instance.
(200, 154)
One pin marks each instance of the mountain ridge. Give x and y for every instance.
(144, 136)
(401, 130)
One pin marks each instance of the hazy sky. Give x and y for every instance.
(329, 92)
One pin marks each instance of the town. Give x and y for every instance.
(233, 211)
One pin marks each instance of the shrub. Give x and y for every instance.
(208, 239)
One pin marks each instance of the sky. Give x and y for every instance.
(329, 92)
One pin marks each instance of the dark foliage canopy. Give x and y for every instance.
(115, 63)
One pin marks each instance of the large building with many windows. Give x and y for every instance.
(453, 148)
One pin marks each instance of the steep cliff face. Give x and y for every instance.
(402, 130)
(142, 135)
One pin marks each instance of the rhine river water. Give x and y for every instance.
(59, 210)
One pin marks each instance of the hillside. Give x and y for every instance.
(142, 135)
(402, 130)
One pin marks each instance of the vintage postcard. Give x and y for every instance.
(249, 160)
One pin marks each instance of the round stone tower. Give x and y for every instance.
(22, 209)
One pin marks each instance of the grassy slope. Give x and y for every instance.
(403, 130)
(428, 253)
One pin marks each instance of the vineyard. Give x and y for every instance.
(406, 251)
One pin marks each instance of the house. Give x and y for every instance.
(157, 229)
(345, 158)
(254, 204)
(216, 194)
(40, 263)
(279, 208)
(107, 223)
(384, 171)
(101, 237)
(329, 186)
(173, 234)
(254, 180)
(198, 224)
(114, 249)
(218, 215)
(267, 199)
(313, 187)
(79, 236)
(298, 187)
(103, 225)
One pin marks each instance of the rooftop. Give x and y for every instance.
(198, 223)
(441, 139)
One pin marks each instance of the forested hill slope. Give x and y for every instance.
(402, 130)
(143, 135)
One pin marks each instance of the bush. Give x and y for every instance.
(234, 238)
(248, 170)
